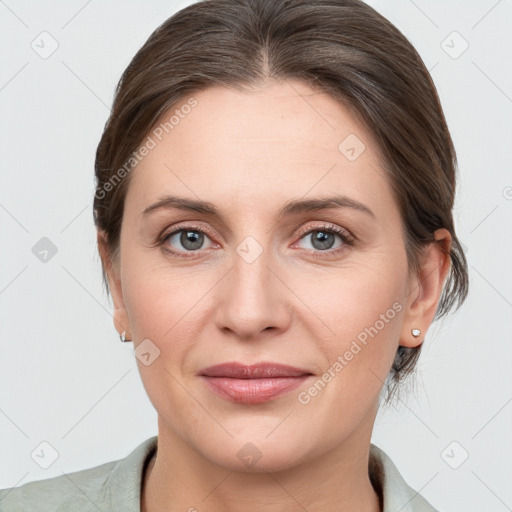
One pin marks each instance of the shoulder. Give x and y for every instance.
(77, 490)
(111, 486)
(396, 493)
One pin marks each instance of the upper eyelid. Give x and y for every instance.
(327, 226)
(190, 226)
(301, 232)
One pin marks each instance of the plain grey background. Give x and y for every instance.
(67, 380)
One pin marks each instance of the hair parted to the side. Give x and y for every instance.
(341, 47)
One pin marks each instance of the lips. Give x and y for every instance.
(252, 384)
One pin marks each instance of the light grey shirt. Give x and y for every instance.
(116, 487)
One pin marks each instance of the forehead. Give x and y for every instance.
(277, 141)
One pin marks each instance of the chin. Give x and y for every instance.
(259, 453)
(251, 459)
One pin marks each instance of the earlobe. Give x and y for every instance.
(120, 317)
(425, 289)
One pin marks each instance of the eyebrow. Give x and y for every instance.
(293, 207)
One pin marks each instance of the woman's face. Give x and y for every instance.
(324, 290)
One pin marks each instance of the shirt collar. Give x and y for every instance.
(396, 493)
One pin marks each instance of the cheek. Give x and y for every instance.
(357, 359)
(165, 303)
(360, 309)
(154, 292)
(354, 296)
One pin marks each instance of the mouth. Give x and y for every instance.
(252, 384)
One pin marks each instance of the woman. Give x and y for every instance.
(274, 211)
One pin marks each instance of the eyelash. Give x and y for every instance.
(346, 238)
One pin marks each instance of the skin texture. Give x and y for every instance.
(249, 153)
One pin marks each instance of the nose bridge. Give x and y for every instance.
(251, 280)
(251, 267)
(251, 301)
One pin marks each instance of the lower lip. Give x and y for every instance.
(253, 391)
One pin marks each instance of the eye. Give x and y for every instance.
(323, 238)
(185, 239)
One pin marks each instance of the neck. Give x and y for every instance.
(177, 480)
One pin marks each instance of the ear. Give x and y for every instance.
(120, 316)
(425, 288)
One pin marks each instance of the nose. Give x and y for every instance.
(252, 300)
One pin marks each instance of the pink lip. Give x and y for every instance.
(253, 384)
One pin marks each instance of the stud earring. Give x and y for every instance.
(415, 332)
(122, 336)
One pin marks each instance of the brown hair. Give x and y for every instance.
(341, 47)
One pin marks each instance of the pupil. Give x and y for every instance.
(322, 238)
(191, 240)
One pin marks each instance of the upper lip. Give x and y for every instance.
(237, 370)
